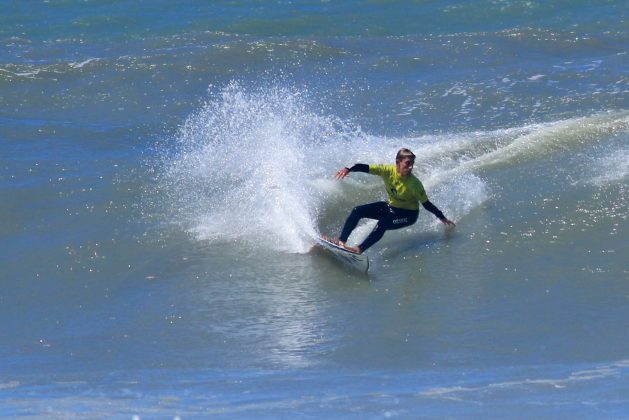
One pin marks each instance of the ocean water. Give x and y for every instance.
(166, 166)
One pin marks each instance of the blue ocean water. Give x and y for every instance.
(165, 168)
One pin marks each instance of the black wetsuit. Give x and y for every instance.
(389, 215)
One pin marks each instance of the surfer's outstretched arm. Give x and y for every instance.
(359, 167)
(434, 210)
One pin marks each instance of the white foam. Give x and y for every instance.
(82, 63)
(610, 168)
(457, 392)
(28, 74)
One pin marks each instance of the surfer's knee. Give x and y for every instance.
(356, 211)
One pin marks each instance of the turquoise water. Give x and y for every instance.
(165, 168)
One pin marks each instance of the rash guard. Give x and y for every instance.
(403, 192)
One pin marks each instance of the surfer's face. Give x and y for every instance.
(405, 166)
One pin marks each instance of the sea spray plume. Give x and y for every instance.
(241, 168)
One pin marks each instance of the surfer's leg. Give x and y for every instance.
(376, 234)
(396, 219)
(370, 211)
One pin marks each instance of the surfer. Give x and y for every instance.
(404, 191)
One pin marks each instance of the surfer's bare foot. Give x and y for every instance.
(354, 249)
(335, 241)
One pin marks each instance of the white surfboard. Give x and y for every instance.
(359, 262)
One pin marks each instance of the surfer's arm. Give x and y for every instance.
(359, 167)
(434, 210)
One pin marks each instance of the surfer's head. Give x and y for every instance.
(404, 153)
(404, 161)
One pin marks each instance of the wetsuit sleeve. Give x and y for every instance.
(433, 209)
(359, 167)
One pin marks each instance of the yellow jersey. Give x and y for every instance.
(404, 193)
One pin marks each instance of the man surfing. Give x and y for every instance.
(404, 191)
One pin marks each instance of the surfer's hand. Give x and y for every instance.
(341, 173)
(447, 222)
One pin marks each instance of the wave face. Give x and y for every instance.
(254, 166)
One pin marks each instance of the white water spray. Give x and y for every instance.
(242, 169)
